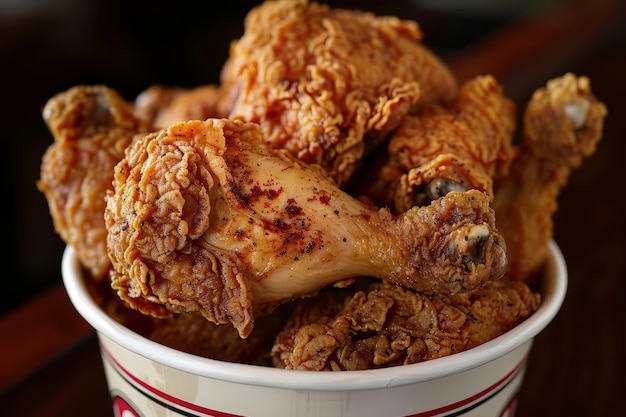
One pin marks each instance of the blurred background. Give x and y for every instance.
(48, 46)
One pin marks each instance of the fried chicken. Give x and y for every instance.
(461, 146)
(389, 325)
(91, 126)
(223, 203)
(192, 333)
(153, 100)
(330, 84)
(205, 217)
(563, 124)
(163, 106)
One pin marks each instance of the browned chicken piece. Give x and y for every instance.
(204, 216)
(192, 333)
(91, 126)
(154, 99)
(563, 124)
(389, 325)
(458, 147)
(329, 84)
(164, 106)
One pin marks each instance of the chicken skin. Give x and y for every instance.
(563, 124)
(204, 216)
(91, 126)
(388, 325)
(329, 84)
(461, 146)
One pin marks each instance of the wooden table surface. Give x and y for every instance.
(50, 362)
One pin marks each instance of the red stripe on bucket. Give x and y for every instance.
(457, 406)
(181, 403)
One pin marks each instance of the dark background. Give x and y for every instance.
(577, 364)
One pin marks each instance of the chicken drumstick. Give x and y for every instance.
(205, 217)
(461, 146)
(563, 124)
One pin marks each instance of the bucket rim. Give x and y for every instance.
(553, 295)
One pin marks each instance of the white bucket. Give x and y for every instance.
(149, 379)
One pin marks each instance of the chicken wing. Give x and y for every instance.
(462, 146)
(91, 125)
(388, 325)
(329, 84)
(563, 124)
(204, 216)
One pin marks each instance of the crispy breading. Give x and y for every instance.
(329, 84)
(194, 334)
(91, 126)
(563, 123)
(460, 146)
(204, 216)
(389, 325)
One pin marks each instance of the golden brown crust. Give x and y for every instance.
(453, 245)
(165, 106)
(326, 84)
(563, 124)
(155, 217)
(193, 334)
(91, 125)
(150, 102)
(205, 217)
(389, 326)
(461, 146)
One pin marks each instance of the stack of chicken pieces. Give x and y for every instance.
(337, 202)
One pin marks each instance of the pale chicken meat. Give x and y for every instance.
(329, 84)
(91, 126)
(203, 216)
(563, 123)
